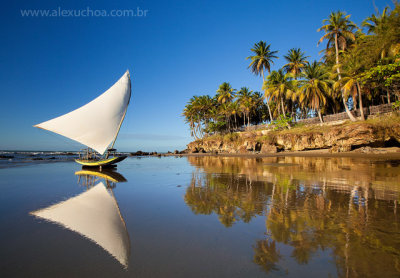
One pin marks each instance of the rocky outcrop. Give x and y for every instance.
(337, 139)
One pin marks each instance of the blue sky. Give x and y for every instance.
(52, 65)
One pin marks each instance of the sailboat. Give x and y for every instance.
(95, 215)
(96, 124)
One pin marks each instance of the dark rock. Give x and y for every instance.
(340, 148)
(176, 152)
(6, 156)
(139, 153)
(267, 148)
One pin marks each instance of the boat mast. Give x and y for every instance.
(119, 127)
(123, 117)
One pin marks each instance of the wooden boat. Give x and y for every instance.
(96, 125)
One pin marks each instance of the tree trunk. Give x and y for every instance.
(346, 108)
(194, 132)
(267, 100)
(388, 95)
(319, 115)
(360, 101)
(283, 107)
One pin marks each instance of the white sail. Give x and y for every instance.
(95, 215)
(97, 123)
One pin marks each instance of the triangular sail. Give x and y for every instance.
(97, 123)
(95, 215)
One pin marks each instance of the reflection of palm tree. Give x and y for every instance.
(266, 255)
(304, 213)
(302, 251)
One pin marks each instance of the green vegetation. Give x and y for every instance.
(360, 67)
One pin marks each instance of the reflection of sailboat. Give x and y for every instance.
(95, 215)
(88, 177)
(96, 124)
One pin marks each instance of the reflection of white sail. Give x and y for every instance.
(95, 215)
(97, 123)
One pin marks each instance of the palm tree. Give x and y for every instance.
(338, 28)
(314, 87)
(278, 85)
(225, 93)
(385, 28)
(225, 110)
(204, 104)
(261, 61)
(350, 80)
(245, 102)
(296, 61)
(259, 107)
(373, 22)
(235, 110)
(192, 116)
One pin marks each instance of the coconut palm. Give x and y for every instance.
(245, 102)
(278, 85)
(373, 22)
(259, 110)
(225, 93)
(191, 115)
(225, 110)
(261, 61)
(314, 87)
(349, 83)
(296, 61)
(235, 110)
(338, 29)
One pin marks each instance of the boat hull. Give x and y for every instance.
(108, 175)
(100, 163)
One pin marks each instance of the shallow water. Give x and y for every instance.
(202, 217)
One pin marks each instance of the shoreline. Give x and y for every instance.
(311, 153)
